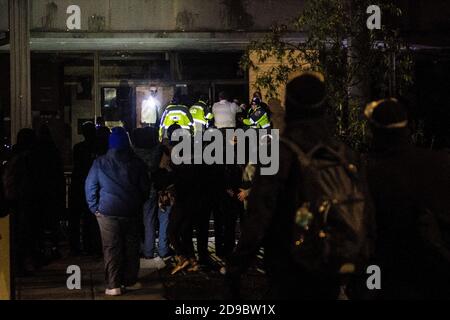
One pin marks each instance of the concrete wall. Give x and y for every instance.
(267, 66)
(165, 15)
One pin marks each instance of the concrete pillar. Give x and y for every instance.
(96, 87)
(19, 31)
(19, 28)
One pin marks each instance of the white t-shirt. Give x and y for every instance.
(151, 109)
(225, 114)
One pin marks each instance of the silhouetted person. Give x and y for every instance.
(102, 140)
(228, 209)
(84, 154)
(182, 217)
(53, 194)
(410, 187)
(124, 104)
(284, 212)
(22, 182)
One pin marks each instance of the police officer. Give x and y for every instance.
(175, 113)
(257, 117)
(201, 113)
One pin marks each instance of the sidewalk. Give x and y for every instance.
(50, 282)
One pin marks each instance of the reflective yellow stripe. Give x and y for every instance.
(200, 121)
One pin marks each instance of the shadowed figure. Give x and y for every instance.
(22, 182)
(84, 154)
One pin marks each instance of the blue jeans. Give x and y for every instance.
(152, 215)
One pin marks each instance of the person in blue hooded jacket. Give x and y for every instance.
(116, 189)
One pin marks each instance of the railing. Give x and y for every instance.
(68, 178)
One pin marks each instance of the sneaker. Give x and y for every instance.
(136, 286)
(167, 256)
(160, 263)
(155, 263)
(113, 292)
(182, 263)
(223, 271)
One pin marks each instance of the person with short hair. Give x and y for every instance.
(224, 112)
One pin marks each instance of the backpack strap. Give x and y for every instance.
(305, 158)
(302, 157)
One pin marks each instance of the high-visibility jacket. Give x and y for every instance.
(175, 114)
(202, 115)
(258, 119)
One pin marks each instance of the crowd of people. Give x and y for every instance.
(34, 188)
(327, 215)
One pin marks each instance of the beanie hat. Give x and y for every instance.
(256, 101)
(387, 114)
(305, 96)
(119, 139)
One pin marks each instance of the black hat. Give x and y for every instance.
(256, 101)
(305, 96)
(387, 114)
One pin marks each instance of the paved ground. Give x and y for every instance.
(50, 283)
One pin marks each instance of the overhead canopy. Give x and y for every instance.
(170, 41)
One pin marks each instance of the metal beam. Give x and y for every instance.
(96, 87)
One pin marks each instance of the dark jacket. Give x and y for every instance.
(23, 179)
(117, 184)
(151, 157)
(271, 206)
(84, 154)
(410, 188)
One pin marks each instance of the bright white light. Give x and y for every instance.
(150, 109)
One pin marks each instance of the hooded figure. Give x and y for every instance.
(272, 202)
(410, 189)
(22, 180)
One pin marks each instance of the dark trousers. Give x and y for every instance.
(120, 239)
(202, 229)
(225, 218)
(92, 243)
(26, 238)
(74, 230)
(180, 229)
(88, 230)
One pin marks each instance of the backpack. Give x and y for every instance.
(329, 227)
